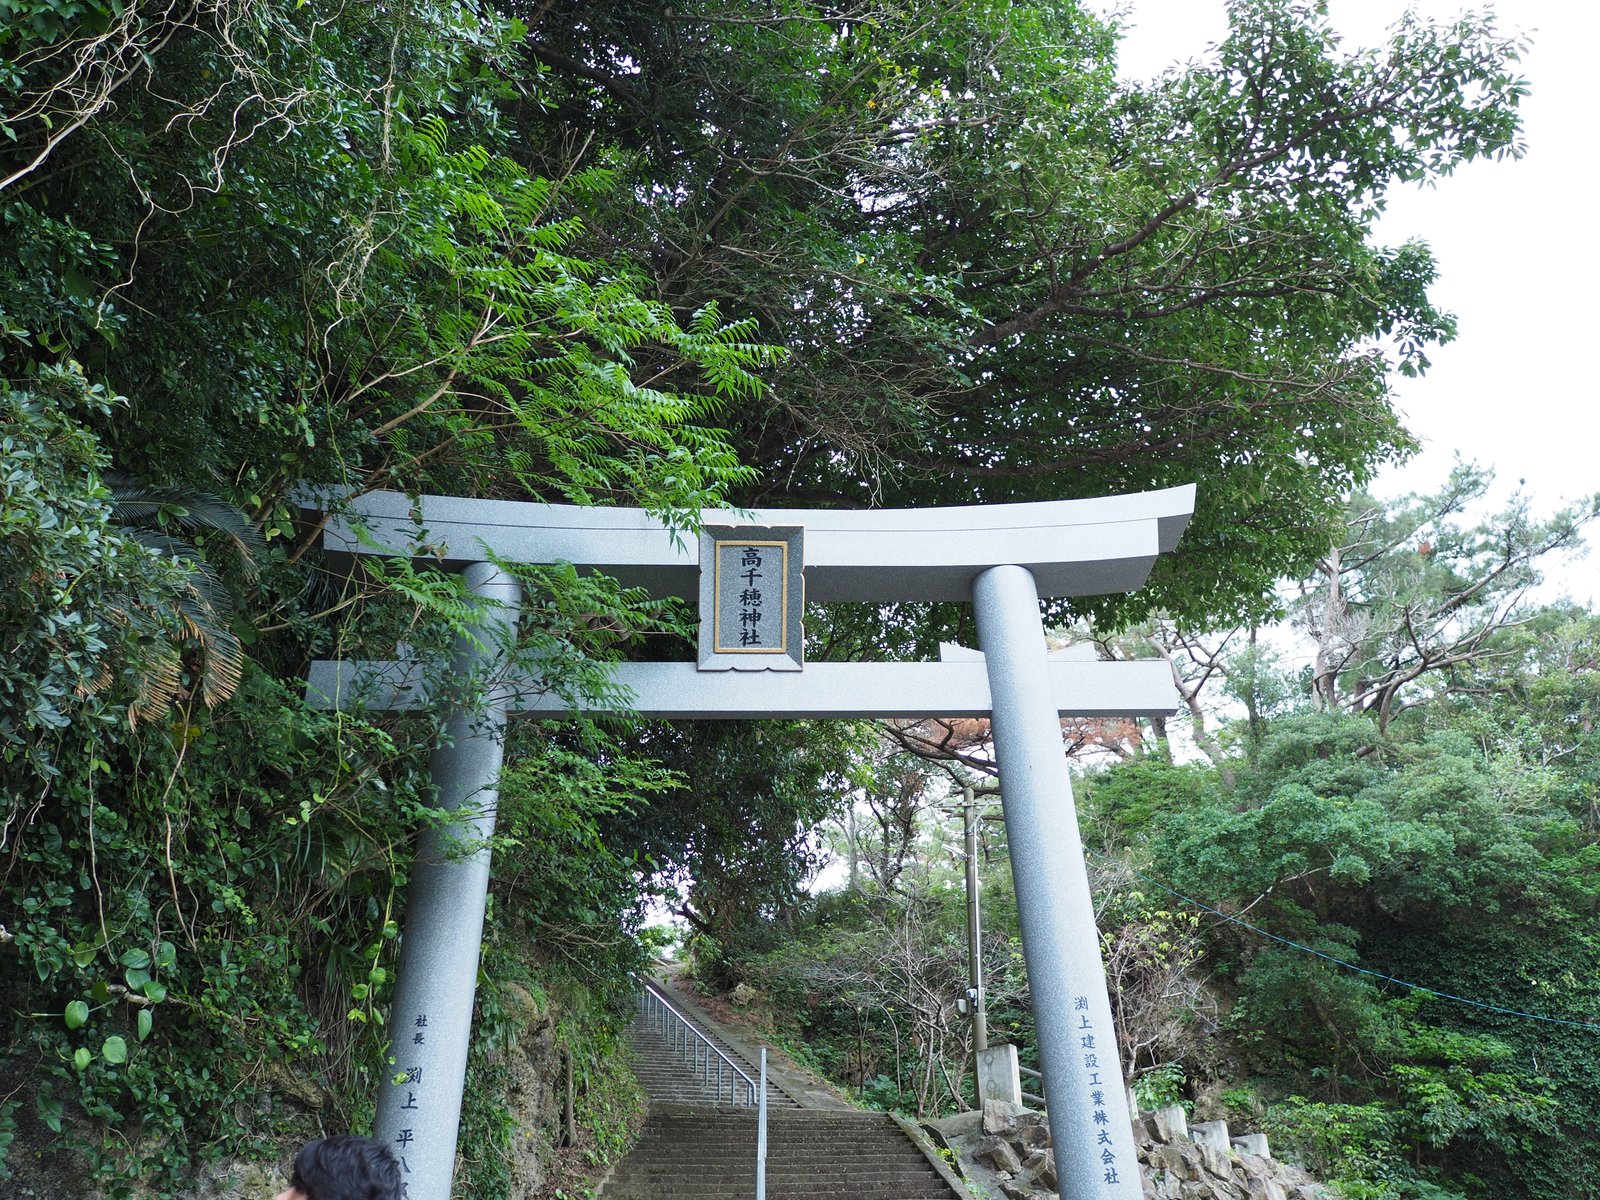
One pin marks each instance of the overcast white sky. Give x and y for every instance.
(1516, 242)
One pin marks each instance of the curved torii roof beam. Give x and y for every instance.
(1072, 547)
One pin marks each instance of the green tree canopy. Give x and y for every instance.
(1005, 276)
(665, 255)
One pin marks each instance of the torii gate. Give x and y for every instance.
(1002, 557)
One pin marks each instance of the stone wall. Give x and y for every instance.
(1005, 1149)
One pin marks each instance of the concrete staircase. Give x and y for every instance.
(697, 1147)
(665, 1073)
(688, 1152)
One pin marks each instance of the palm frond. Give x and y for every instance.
(138, 505)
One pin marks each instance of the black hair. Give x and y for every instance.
(345, 1167)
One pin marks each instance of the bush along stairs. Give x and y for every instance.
(699, 1139)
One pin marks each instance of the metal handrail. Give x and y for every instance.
(1030, 1073)
(695, 1047)
(761, 1133)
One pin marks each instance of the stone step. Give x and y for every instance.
(706, 1173)
(652, 1189)
(696, 1145)
(878, 1184)
(670, 1067)
(709, 1152)
(623, 1188)
(692, 1190)
(778, 1140)
(872, 1160)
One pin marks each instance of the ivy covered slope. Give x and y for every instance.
(649, 254)
(250, 246)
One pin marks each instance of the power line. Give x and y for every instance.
(1350, 966)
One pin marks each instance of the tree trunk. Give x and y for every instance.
(1325, 680)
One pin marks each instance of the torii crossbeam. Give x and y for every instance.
(1001, 557)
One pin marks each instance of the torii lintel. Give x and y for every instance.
(1089, 547)
(850, 690)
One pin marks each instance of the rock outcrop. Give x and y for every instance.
(1006, 1149)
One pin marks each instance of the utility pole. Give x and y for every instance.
(980, 1016)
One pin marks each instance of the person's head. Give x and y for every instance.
(343, 1167)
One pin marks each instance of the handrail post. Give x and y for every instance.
(761, 1133)
(690, 1043)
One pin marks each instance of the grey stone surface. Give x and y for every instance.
(1033, 1133)
(1218, 1162)
(689, 1152)
(1040, 1168)
(1253, 1143)
(998, 1075)
(1089, 1117)
(431, 1015)
(931, 1153)
(998, 1154)
(1074, 547)
(1000, 1116)
(1179, 1169)
(1173, 1160)
(829, 689)
(957, 1125)
(535, 1087)
(1211, 1133)
(1169, 1123)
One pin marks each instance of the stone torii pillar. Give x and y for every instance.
(1001, 557)
(430, 1018)
(1090, 1125)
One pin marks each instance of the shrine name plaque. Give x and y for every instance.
(752, 598)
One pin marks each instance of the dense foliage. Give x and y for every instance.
(1006, 277)
(666, 255)
(251, 246)
(1369, 930)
